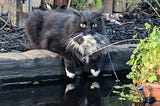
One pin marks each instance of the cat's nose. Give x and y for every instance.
(89, 31)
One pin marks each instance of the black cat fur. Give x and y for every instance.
(71, 33)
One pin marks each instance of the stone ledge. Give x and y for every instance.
(43, 63)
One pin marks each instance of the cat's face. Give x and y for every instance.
(89, 36)
(89, 22)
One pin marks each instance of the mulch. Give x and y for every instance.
(13, 39)
(133, 23)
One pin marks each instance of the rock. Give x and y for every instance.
(43, 64)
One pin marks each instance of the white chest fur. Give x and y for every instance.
(88, 45)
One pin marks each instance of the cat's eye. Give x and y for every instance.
(94, 25)
(82, 25)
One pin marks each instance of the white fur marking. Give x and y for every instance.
(69, 74)
(88, 45)
(95, 73)
(69, 87)
(87, 59)
(94, 85)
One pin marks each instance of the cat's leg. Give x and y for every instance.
(69, 68)
(96, 65)
(94, 72)
(94, 69)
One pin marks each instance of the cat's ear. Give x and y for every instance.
(76, 12)
(99, 12)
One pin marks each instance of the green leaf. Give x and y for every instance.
(74, 2)
(152, 78)
(135, 36)
(98, 3)
(130, 75)
(122, 98)
(90, 1)
(148, 26)
(117, 92)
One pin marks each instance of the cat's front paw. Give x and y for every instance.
(69, 74)
(95, 73)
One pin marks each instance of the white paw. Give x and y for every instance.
(69, 87)
(94, 85)
(95, 73)
(69, 74)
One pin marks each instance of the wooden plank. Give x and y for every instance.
(108, 4)
(61, 2)
(119, 6)
(35, 3)
(3, 6)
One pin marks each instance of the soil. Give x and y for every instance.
(13, 39)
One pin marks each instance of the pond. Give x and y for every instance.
(80, 92)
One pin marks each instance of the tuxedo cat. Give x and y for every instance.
(72, 34)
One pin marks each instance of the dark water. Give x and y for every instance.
(88, 92)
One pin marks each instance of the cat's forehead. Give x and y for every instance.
(87, 16)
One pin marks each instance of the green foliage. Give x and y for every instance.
(127, 92)
(98, 3)
(78, 3)
(133, 3)
(87, 4)
(145, 61)
(135, 36)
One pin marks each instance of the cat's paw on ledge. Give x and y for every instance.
(95, 73)
(69, 74)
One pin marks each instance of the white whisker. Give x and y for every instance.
(75, 35)
(109, 45)
(103, 39)
(72, 43)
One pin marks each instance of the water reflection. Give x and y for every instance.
(82, 94)
(89, 92)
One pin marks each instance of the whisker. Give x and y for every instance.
(71, 42)
(77, 35)
(107, 46)
(74, 34)
(101, 38)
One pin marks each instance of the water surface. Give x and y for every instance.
(88, 92)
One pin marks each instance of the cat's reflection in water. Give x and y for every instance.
(82, 94)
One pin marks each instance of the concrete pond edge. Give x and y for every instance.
(44, 64)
